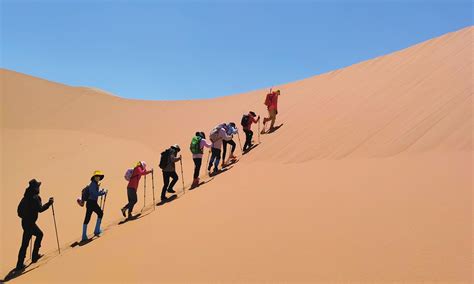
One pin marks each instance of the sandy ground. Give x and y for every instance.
(368, 180)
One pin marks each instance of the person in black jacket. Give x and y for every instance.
(28, 210)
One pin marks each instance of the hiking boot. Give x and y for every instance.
(98, 230)
(170, 190)
(124, 210)
(164, 199)
(20, 267)
(35, 258)
(195, 183)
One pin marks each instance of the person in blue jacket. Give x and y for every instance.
(92, 205)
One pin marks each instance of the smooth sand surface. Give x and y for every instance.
(368, 180)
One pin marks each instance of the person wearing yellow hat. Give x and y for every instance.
(92, 195)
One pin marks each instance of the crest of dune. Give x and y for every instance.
(369, 179)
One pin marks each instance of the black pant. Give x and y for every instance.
(166, 182)
(224, 144)
(197, 167)
(215, 156)
(248, 139)
(92, 206)
(132, 199)
(29, 229)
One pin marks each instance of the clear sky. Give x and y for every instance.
(169, 50)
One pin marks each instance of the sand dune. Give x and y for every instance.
(368, 180)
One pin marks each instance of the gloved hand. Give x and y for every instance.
(51, 200)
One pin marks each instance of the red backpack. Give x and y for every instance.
(269, 99)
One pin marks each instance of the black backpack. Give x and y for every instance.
(245, 120)
(85, 194)
(22, 207)
(165, 158)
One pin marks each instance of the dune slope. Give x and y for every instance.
(368, 180)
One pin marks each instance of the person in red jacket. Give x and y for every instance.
(248, 130)
(138, 172)
(271, 101)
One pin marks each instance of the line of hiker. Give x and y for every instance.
(221, 136)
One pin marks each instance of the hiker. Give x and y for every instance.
(197, 148)
(132, 187)
(247, 121)
(271, 101)
(167, 163)
(218, 134)
(28, 209)
(91, 194)
(231, 130)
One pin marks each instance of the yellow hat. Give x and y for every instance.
(141, 163)
(98, 173)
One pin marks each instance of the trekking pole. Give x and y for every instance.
(56, 228)
(208, 155)
(240, 144)
(182, 175)
(31, 244)
(144, 193)
(153, 187)
(259, 131)
(105, 199)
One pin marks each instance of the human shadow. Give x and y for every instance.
(220, 171)
(167, 200)
(133, 218)
(14, 273)
(275, 128)
(250, 149)
(83, 243)
(201, 183)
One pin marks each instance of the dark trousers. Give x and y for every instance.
(248, 139)
(29, 230)
(166, 182)
(92, 206)
(215, 156)
(197, 167)
(132, 200)
(224, 144)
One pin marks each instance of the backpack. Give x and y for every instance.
(165, 158)
(21, 210)
(85, 194)
(195, 145)
(269, 99)
(214, 135)
(245, 120)
(128, 174)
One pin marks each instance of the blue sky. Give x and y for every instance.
(169, 50)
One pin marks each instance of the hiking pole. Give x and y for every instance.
(208, 155)
(144, 193)
(259, 131)
(153, 187)
(105, 199)
(56, 228)
(182, 175)
(240, 144)
(31, 244)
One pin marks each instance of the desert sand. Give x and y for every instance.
(368, 180)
